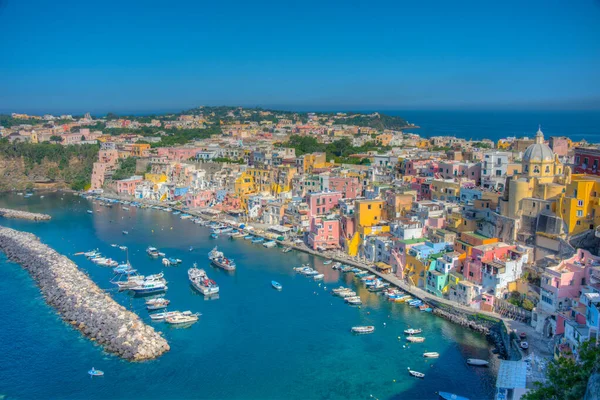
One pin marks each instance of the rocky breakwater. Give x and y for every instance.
(80, 302)
(16, 214)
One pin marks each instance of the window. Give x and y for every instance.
(369, 207)
(580, 213)
(579, 203)
(547, 169)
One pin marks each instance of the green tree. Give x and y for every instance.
(566, 378)
(56, 138)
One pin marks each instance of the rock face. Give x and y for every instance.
(80, 302)
(16, 214)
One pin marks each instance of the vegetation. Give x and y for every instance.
(482, 145)
(7, 121)
(126, 169)
(75, 163)
(567, 378)
(228, 160)
(340, 150)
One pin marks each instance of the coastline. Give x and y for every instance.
(488, 323)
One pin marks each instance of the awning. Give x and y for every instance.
(279, 229)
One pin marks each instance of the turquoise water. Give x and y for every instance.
(252, 342)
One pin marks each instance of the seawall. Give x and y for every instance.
(80, 301)
(17, 214)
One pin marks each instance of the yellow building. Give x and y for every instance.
(580, 204)
(262, 179)
(423, 144)
(308, 162)
(244, 186)
(503, 144)
(384, 139)
(139, 149)
(156, 178)
(368, 212)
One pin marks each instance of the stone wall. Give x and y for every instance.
(16, 214)
(80, 302)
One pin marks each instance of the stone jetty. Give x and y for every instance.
(16, 214)
(80, 302)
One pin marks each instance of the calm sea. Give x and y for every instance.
(251, 343)
(495, 125)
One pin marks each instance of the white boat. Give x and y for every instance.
(166, 262)
(415, 339)
(327, 262)
(355, 301)
(416, 374)
(161, 316)
(200, 281)
(149, 287)
(339, 290)
(180, 319)
(318, 277)
(126, 208)
(157, 304)
(363, 329)
(276, 285)
(152, 251)
(270, 244)
(347, 293)
(431, 354)
(412, 331)
(477, 362)
(218, 259)
(90, 212)
(286, 250)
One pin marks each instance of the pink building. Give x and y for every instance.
(323, 202)
(350, 187)
(127, 186)
(398, 258)
(107, 161)
(178, 153)
(453, 169)
(418, 167)
(559, 145)
(200, 199)
(324, 233)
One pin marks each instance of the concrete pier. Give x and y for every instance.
(80, 301)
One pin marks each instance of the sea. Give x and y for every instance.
(251, 342)
(495, 125)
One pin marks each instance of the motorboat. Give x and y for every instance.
(180, 319)
(90, 212)
(152, 251)
(416, 374)
(157, 304)
(339, 290)
(276, 285)
(327, 262)
(354, 300)
(200, 281)
(125, 233)
(214, 236)
(149, 287)
(270, 244)
(451, 396)
(477, 362)
(431, 354)
(123, 248)
(166, 262)
(363, 329)
(337, 265)
(258, 240)
(412, 331)
(162, 315)
(347, 293)
(95, 372)
(286, 250)
(248, 237)
(415, 339)
(318, 277)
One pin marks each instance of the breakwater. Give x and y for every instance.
(80, 301)
(17, 214)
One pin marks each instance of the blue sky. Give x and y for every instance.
(141, 56)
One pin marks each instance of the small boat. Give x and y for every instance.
(363, 329)
(90, 212)
(258, 240)
(191, 248)
(95, 372)
(149, 287)
(286, 250)
(181, 319)
(214, 236)
(415, 339)
(412, 331)
(355, 301)
(114, 245)
(477, 362)
(125, 233)
(152, 251)
(276, 285)
(176, 212)
(318, 277)
(524, 345)
(327, 262)
(270, 244)
(161, 254)
(166, 262)
(431, 354)
(162, 315)
(123, 248)
(451, 396)
(416, 374)
(126, 208)
(157, 304)
(249, 237)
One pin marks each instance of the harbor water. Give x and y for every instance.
(252, 342)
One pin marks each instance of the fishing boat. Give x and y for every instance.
(363, 329)
(149, 287)
(181, 319)
(162, 315)
(152, 251)
(125, 233)
(157, 304)
(451, 396)
(415, 339)
(200, 281)
(286, 250)
(270, 244)
(412, 331)
(318, 277)
(416, 374)
(276, 285)
(431, 354)
(218, 259)
(95, 372)
(477, 362)
(327, 262)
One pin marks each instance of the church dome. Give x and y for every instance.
(539, 151)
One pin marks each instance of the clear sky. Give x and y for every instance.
(142, 56)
